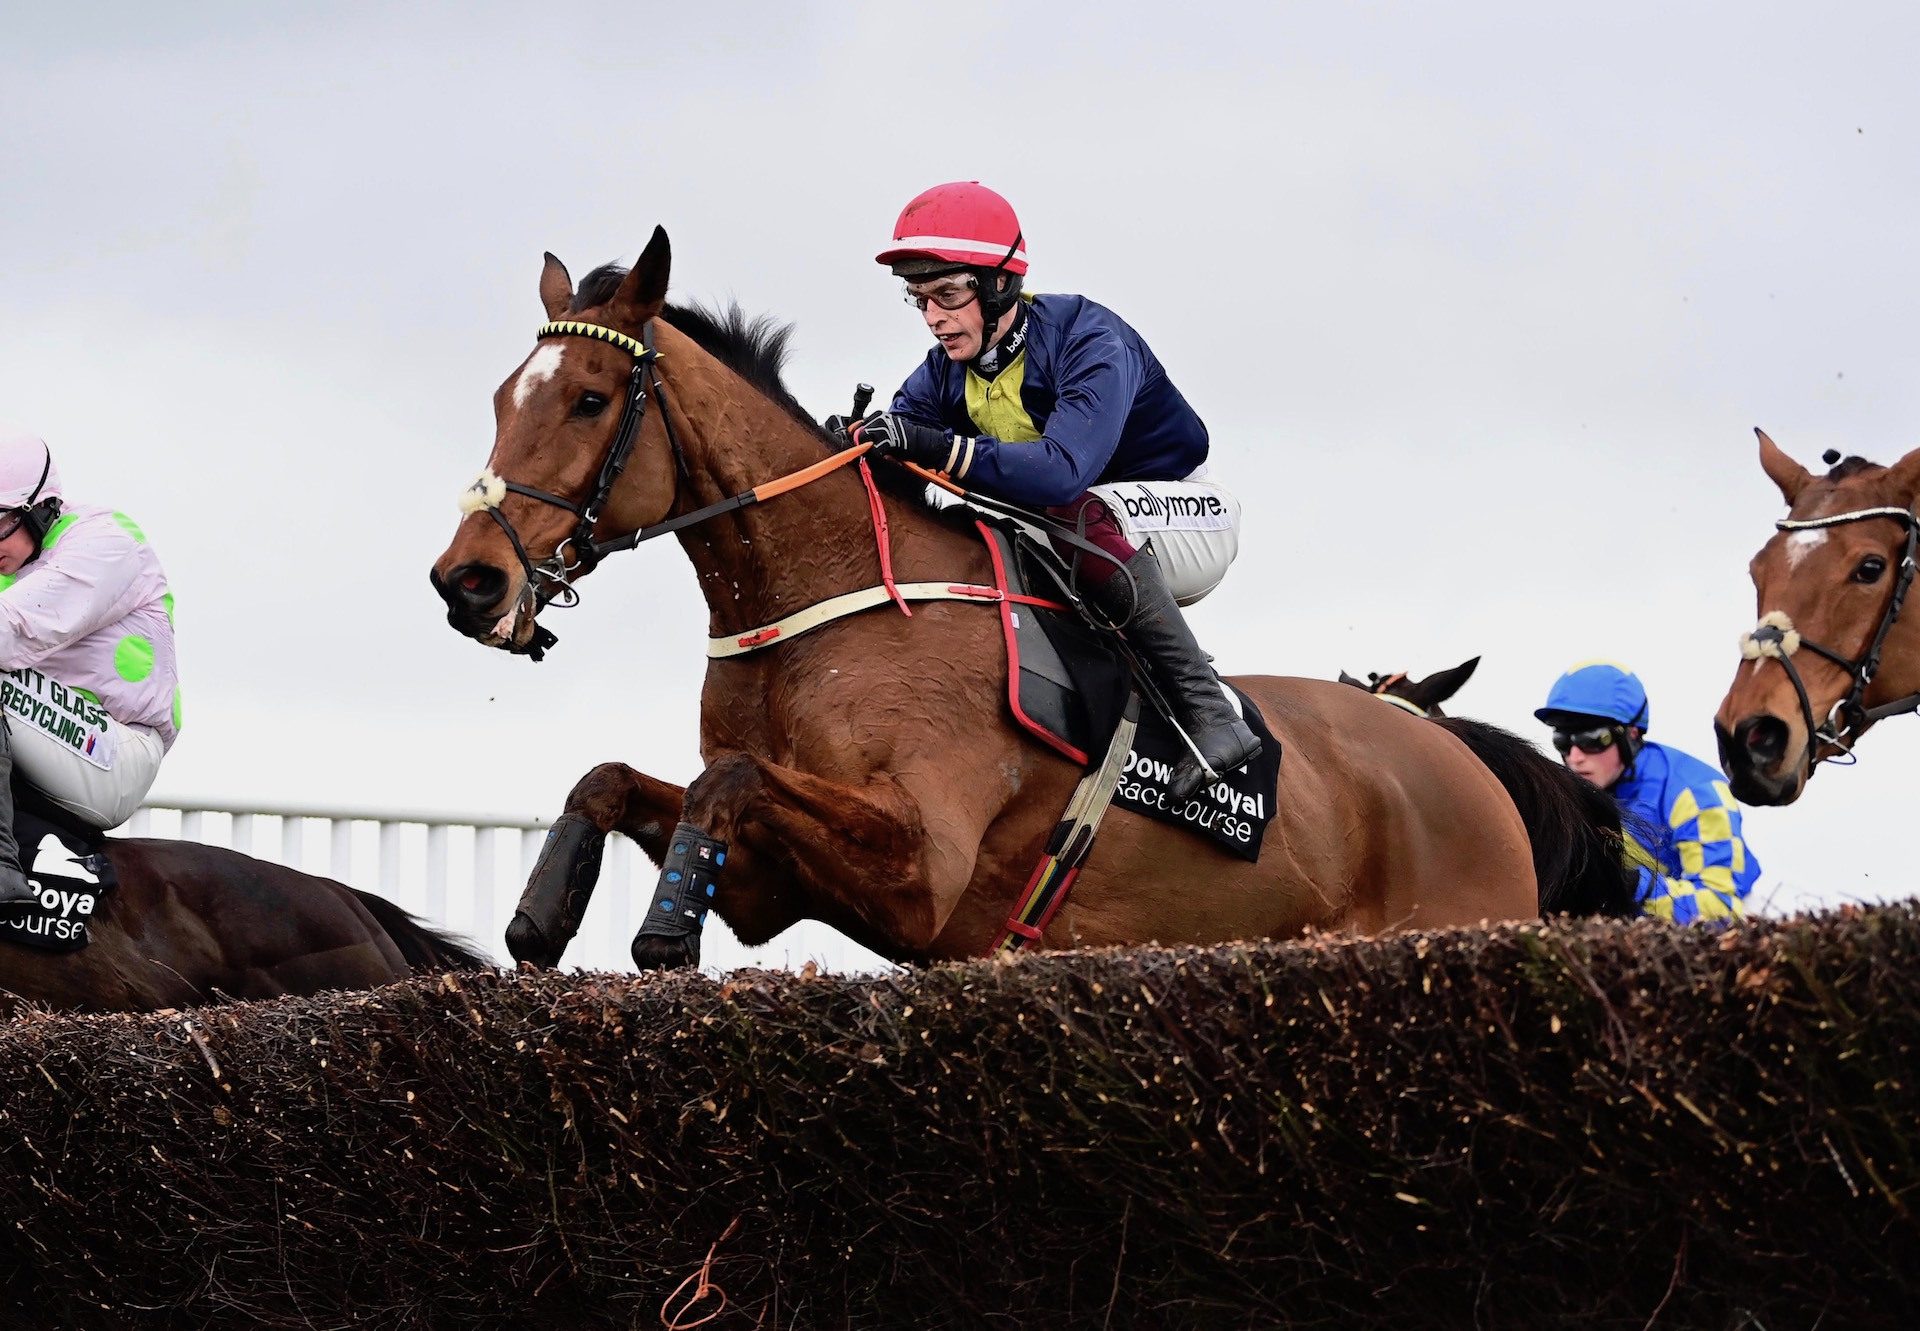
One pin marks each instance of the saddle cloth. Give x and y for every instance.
(1068, 684)
(59, 919)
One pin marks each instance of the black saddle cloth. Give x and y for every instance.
(59, 919)
(36, 817)
(1069, 683)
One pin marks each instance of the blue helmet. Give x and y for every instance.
(1598, 688)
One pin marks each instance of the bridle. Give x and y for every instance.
(1776, 637)
(550, 581)
(1381, 685)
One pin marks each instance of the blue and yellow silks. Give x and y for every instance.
(1683, 831)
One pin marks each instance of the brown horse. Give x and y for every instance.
(190, 924)
(866, 774)
(1832, 654)
(1420, 696)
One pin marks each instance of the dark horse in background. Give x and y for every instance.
(188, 924)
(1556, 858)
(867, 774)
(1422, 697)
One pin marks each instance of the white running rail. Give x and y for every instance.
(465, 872)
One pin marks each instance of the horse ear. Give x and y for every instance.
(643, 293)
(556, 288)
(1345, 678)
(1789, 475)
(1906, 476)
(1437, 688)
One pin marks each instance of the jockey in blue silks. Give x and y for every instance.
(1682, 822)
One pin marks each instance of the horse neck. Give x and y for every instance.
(767, 560)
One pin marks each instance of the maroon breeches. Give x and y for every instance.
(1101, 528)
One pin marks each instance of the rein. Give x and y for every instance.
(1776, 637)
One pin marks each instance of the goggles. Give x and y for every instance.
(12, 520)
(1597, 740)
(951, 292)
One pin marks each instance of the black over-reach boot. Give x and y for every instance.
(1159, 632)
(14, 886)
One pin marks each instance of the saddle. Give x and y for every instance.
(1069, 684)
(58, 921)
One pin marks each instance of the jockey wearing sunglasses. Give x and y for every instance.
(1682, 823)
(89, 700)
(1056, 403)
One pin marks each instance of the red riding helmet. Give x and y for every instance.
(963, 223)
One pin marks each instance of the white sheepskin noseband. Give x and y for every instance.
(486, 492)
(1753, 646)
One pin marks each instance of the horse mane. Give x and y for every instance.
(753, 346)
(1851, 466)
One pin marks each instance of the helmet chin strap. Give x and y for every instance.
(38, 514)
(992, 304)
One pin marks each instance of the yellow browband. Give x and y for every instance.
(573, 328)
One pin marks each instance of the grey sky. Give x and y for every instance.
(1480, 302)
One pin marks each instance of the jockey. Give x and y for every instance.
(1056, 403)
(89, 698)
(1682, 823)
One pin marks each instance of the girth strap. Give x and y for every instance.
(1071, 842)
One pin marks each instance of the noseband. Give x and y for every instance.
(1776, 637)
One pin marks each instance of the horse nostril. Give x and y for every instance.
(475, 588)
(1764, 738)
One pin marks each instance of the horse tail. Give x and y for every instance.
(1579, 858)
(424, 947)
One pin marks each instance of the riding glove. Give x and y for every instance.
(907, 440)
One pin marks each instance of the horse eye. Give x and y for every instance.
(1870, 569)
(590, 404)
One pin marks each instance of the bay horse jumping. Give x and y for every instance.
(188, 924)
(1832, 655)
(866, 774)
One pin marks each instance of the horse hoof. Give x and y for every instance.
(653, 952)
(526, 943)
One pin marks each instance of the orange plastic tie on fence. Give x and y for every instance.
(706, 1287)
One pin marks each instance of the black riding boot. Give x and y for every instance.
(1159, 632)
(14, 886)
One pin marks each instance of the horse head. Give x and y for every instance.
(1831, 645)
(1423, 696)
(581, 454)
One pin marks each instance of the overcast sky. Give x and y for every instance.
(1481, 303)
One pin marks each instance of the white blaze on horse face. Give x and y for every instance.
(1801, 544)
(541, 366)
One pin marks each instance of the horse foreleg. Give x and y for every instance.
(793, 845)
(611, 798)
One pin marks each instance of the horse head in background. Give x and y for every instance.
(1422, 697)
(1832, 654)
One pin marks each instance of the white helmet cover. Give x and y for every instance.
(27, 473)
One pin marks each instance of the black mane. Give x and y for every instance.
(752, 346)
(755, 348)
(1850, 466)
